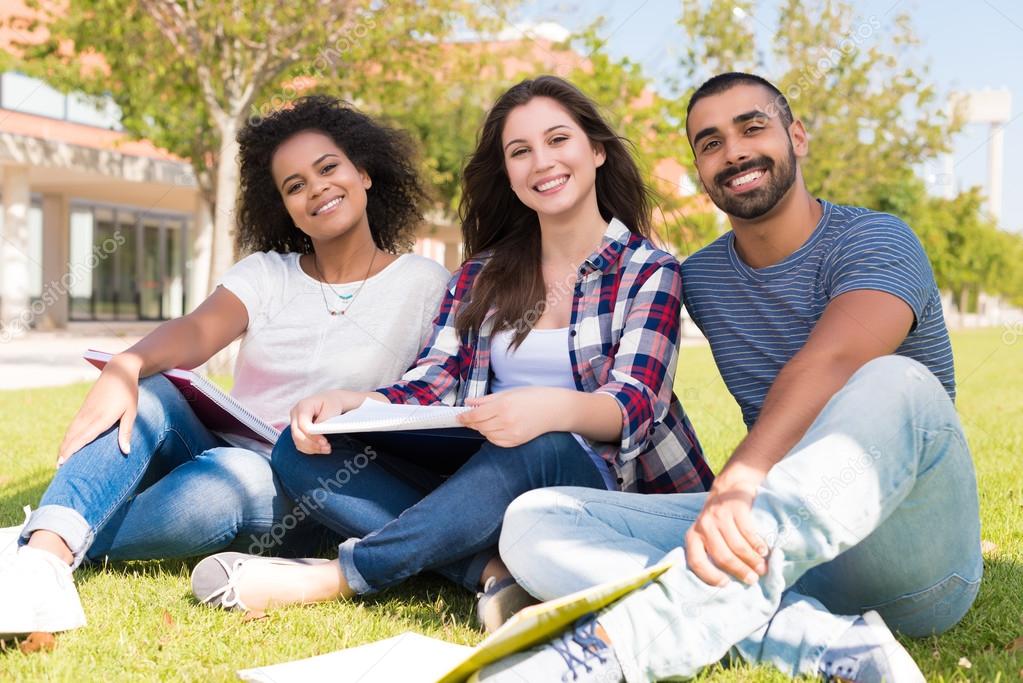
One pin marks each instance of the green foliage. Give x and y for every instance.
(442, 109)
(155, 92)
(968, 252)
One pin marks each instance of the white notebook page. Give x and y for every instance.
(408, 658)
(377, 416)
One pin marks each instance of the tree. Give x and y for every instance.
(446, 116)
(968, 252)
(187, 75)
(871, 113)
(873, 116)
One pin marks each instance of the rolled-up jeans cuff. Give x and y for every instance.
(473, 578)
(618, 629)
(346, 556)
(65, 522)
(639, 659)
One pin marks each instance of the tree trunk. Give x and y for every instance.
(202, 253)
(222, 257)
(224, 211)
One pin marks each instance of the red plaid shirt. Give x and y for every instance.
(624, 335)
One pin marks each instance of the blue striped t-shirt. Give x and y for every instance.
(756, 320)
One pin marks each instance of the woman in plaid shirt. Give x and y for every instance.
(560, 331)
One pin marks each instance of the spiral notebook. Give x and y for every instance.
(219, 411)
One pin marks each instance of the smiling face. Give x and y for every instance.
(551, 164)
(323, 191)
(746, 158)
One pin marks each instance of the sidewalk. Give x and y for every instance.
(47, 359)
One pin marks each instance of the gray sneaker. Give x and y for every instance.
(869, 653)
(500, 601)
(217, 580)
(576, 656)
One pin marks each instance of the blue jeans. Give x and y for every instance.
(875, 508)
(180, 492)
(402, 520)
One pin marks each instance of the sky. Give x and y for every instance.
(967, 46)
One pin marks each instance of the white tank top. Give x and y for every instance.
(542, 360)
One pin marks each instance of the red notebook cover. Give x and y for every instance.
(219, 411)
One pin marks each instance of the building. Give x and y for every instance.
(96, 227)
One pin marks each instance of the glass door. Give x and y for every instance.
(150, 282)
(174, 268)
(80, 299)
(126, 264)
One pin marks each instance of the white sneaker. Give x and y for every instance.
(9, 538)
(37, 594)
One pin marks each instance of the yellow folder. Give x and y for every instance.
(413, 658)
(538, 623)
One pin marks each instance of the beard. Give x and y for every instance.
(754, 203)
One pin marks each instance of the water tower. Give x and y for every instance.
(994, 108)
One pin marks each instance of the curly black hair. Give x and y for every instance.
(394, 203)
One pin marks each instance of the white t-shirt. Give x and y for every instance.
(293, 347)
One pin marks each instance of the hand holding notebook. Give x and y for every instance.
(219, 411)
(431, 436)
(377, 416)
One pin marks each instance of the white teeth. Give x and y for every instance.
(551, 184)
(329, 205)
(746, 179)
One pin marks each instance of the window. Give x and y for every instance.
(33, 96)
(126, 263)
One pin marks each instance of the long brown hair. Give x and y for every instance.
(494, 219)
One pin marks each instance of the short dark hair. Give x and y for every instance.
(394, 204)
(722, 82)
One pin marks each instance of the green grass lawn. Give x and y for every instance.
(143, 622)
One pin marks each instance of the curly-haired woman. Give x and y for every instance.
(328, 199)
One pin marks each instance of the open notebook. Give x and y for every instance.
(414, 658)
(430, 436)
(217, 410)
(377, 416)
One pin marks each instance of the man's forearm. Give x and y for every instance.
(797, 397)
